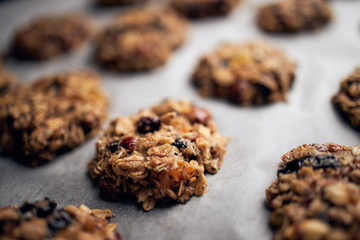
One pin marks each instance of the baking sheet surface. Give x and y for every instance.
(234, 207)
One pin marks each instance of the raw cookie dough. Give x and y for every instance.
(140, 39)
(159, 154)
(317, 193)
(51, 115)
(48, 36)
(204, 8)
(294, 15)
(347, 100)
(41, 220)
(245, 74)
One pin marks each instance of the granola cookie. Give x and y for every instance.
(347, 100)
(51, 115)
(140, 39)
(7, 81)
(118, 2)
(41, 220)
(287, 16)
(317, 193)
(48, 36)
(159, 154)
(245, 74)
(204, 8)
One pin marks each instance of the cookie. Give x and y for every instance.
(159, 154)
(49, 36)
(140, 39)
(288, 16)
(245, 74)
(51, 115)
(42, 220)
(347, 100)
(118, 2)
(7, 81)
(317, 193)
(204, 8)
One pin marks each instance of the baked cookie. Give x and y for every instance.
(347, 100)
(204, 8)
(7, 81)
(287, 16)
(49, 36)
(317, 193)
(245, 74)
(118, 2)
(159, 154)
(140, 39)
(51, 115)
(41, 220)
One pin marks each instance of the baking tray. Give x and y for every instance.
(234, 206)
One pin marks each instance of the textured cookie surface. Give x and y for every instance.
(245, 74)
(51, 115)
(42, 220)
(204, 8)
(294, 15)
(119, 2)
(347, 100)
(48, 36)
(317, 193)
(159, 154)
(140, 39)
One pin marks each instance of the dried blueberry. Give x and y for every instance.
(148, 124)
(59, 220)
(114, 146)
(179, 144)
(105, 185)
(129, 143)
(45, 208)
(317, 162)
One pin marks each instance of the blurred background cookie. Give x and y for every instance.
(245, 74)
(118, 2)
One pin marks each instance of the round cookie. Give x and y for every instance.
(159, 154)
(317, 193)
(41, 220)
(52, 115)
(347, 100)
(118, 2)
(245, 74)
(204, 8)
(49, 36)
(7, 81)
(140, 39)
(286, 16)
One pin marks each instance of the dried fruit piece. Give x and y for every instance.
(148, 124)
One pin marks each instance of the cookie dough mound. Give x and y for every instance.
(41, 220)
(286, 16)
(317, 193)
(245, 74)
(52, 115)
(118, 2)
(159, 154)
(347, 100)
(140, 39)
(204, 8)
(49, 36)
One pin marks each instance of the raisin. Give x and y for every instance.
(179, 144)
(129, 143)
(316, 162)
(59, 220)
(148, 124)
(201, 116)
(114, 146)
(107, 190)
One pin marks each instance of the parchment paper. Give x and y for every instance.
(234, 207)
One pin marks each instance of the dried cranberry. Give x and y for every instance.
(238, 90)
(179, 144)
(106, 188)
(117, 236)
(129, 143)
(114, 146)
(201, 116)
(148, 124)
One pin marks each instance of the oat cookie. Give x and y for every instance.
(204, 8)
(286, 16)
(245, 74)
(347, 100)
(159, 154)
(41, 220)
(48, 36)
(7, 81)
(51, 115)
(119, 2)
(317, 193)
(140, 39)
